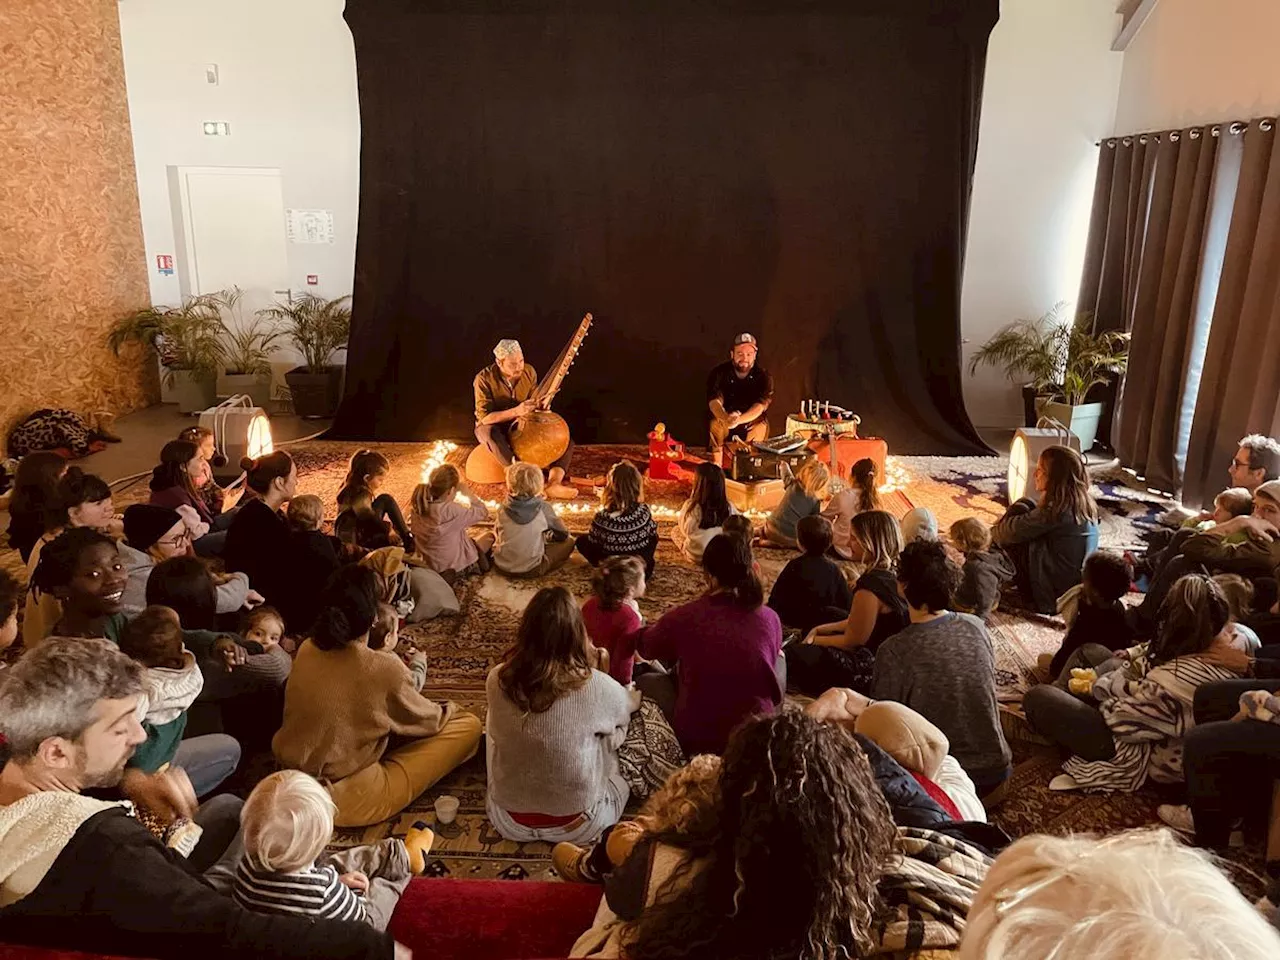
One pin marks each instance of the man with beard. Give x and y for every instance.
(738, 395)
(79, 873)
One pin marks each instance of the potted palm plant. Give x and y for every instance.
(187, 340)
(319, 328)
(249, 347)
(1063, 361)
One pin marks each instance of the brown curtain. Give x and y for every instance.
(1240, 386)
(1164, 269)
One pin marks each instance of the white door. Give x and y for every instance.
(230, 232)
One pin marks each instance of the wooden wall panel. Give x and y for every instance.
(71, 251)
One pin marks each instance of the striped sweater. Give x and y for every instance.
(313, 892)
(1149, 718)
(625, 532)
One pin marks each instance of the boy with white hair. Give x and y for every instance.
(288, 820)
(79, 873)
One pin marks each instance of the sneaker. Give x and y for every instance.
(570, 863)
(1178, 816)
(1063, 782)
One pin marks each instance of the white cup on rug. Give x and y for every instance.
(446, 809)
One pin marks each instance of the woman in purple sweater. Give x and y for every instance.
(726, 648)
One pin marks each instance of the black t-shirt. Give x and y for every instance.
(739, 393)
(805, 588)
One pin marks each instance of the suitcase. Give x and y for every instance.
(849, 450)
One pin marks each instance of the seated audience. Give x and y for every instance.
(171, 683)
(1229, 504)
(260, 543)
(702, 516)
(175, 483)
(440, 525)
(35, 494)
(738, 526)
(365, 475)
(623, 525)
(985, 571)
(11, 592)
(1239, 594)
(288, 821)
(725, 648)
(612, 614)
(795, 855)
(842, 653)
(531, 539)
(1049, 540)
(217, 500)
(84, 873)
(154, 535)
(358, 526)
(919, 524)
(942, 666)
(384, 636)
(811, 589)
(805, 493)
(859, 496)
(1256, 462)
(1131, 895)
(81, 500)
(316, 557)
(1131, 727)
(344, 703)
(1093, 611)
(83, 571)
(554, 729)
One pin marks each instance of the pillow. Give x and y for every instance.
(905, 735)
(431, 595)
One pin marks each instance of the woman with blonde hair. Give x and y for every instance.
(1138, 895)
(1049, 540)
(842, 654)
(554, 729)
(623, 526)
(804, 496)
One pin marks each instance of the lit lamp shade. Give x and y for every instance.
(239, 429)
(1024, 452)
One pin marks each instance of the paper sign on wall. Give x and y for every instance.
(164, 264)
(309, 226)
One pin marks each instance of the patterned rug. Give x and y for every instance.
(462, 648)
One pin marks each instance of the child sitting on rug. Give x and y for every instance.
(805, 492)
(357, 526)
(365, 475)
(1093, 611)
(531, 539)
(702, 516)
(1229, 504)
(612, 615)
(738, 526)
(440, 525)
(811, 589)
(263, 626)
(986, 571)
(1239, 594)
(287, 821)
(623, 525)
(385, 635)
(857, 497)
(919, 524)
(688, 794)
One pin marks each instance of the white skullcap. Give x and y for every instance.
(507, 348)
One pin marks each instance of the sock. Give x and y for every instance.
(418, 842)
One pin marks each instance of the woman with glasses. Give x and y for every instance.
(153, 534)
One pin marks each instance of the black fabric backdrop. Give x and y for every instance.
(683, 170)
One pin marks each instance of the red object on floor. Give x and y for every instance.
(462, 919)
(664, 450)
(849, 450)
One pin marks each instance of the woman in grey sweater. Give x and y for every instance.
(554, 729)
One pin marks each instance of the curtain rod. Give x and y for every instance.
(1235, 128)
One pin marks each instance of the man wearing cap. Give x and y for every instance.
(504, 393)
(738, 395)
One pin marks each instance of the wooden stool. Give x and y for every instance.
(483, 467)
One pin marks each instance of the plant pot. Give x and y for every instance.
(191, 394)
(257, 386)
(315, 394)
(1029, 412)
(1082, 420)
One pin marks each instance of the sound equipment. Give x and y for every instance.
(542, 437)
(783, 443)
(749, 464)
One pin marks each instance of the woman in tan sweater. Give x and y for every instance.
(353, 720)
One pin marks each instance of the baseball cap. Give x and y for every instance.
(745, 338)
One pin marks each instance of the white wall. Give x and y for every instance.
(287, 86)
(1050, 94)
(1200, 61)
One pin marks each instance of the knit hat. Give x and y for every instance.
(145, 523)
(919, 524)
(506, 348)
(1270, 490)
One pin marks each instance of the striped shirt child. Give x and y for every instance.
(313, 892)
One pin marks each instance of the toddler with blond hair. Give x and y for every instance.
(286, 823)
(985, 571)
(531, 539)
(805, 494)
